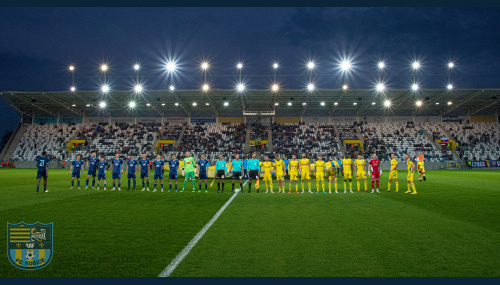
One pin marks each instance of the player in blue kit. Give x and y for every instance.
(102, 166)
(236, 169)
(144, 164)
(42, 164)
(92, 169)
(116, 171)
(132, 171)
(75, 169)
(202, 172)
(173, 165)
(158, 165)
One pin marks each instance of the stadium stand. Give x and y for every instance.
(476, 141)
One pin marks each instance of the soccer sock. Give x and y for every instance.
(366, 185)
(147, 183)
(93, 183)
(128, 183)
(72, 183)
(119, 185)
(266, 185)
(413, 187)
(142, 183)
(232, 186)
(222, 186)
(249, 186)
(170, 186)
(409, 187)
(78, 183)
(345, 185)
(104, 185)
(44, 188)
(162, 186)
(271, 185)
(309, 184)
(134, 183)
(302, 184)
(330, 186)
(358, 185)
(199, 186)
(87, 183)
(397, 186)
(37, 187)
(389, 186)
(290, 187)
(206, 186)
(155, 185)
(323, 185)
(175, 187)
(317, 186)
(113, 184)
(373, 184)
(350, 185)
(218, 186)
(336, 185)
(377, 183)
(184, 185)
(296, 185)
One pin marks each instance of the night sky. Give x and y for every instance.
(38, 44)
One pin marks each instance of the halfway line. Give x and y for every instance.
(177, 260)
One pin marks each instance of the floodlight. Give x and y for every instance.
(241, 87)
(275, 87)
(345, 65)
(88, 105)
(276, 104)
(345, 86)
(415, 65)
(102, 104)
(289, 104)
(172, 87)
(239, 65)
(275, 65)
(132, 104)
(303, 104)
(414, 87)
(451, 64)
(387, 103)
(373, 103)
(205, 87)
(207, 104)
(73, 105)
(194, 104)
(310, 65)
(176, 104)
(170, 66)
(419, 103)
(336, 103)
(380, 87)
(71, 67)
(147, 104)
(322, 103)
(204, 65)
(138, 88)
(449, 103)
(226, 103)
(355, 103)
(72, 88)
(137, 67)
(163, 104)
(381, 65)
(105, 88)
(437, 103)
(449, 86)
(104, 67)
(310, 87)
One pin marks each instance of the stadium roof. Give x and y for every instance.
(216, 102)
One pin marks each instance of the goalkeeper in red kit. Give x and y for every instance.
(375, 169)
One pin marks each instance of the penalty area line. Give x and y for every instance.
(178, 259)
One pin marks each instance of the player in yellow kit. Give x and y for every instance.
(293, 169)
(332, 175)
(360, 166)
(393, 174)
(411, 171)
(319, 169)
(420, 167)
(279, 167)
(347, 167)
(304, 171)
(267, 168)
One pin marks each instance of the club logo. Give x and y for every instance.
(29, 246)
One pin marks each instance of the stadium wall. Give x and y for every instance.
(287, 120)
(481, 119)
(316, 119)
(232, 120)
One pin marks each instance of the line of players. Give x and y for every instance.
(98, 166)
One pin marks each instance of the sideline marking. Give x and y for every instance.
(178, 259)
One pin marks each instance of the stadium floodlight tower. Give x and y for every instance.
(137, 68)
(415, 66)
(387, 103)
(450, 67)
(345, 67)
(419, 103)
(380, 87)
(449, 87)
(104, 69)
(205, 87)
(415, 87)
(72, 70)
(240, 87)
(275, 87)
(171, 66)
(310, 66)
(310, 87)
(132, 104)
(102, 104)
(105, 88)
(138, 88)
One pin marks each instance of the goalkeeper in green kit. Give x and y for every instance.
(189, 167)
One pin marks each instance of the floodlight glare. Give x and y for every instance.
(345, 87)
(419, 103)
(276, 104)
(322, 103)
(176, 104)
(207, 104)
(71, 67)
(380, 87)
(303, 104)
(275, 66)
(355, 103)
(73, 105)
(205, 87)
(239, 65)
(105, 88)
(88, 105)
(373, 103)
(289, 104)
(226, 103)
(147, 104)
(163, 104)
(310, 87)
(102, 104)
(451, 64)
(172, 87)
(275, 87)
(310, 65)
(241, 87)
(138, 88)
(170, 66)
(449, 103)
(131, 104)
(414, 87)
(449, 86)
(194, 104)
(136, 67)
(387, 103)
(345, 65)
(336, 103)
(73, 88)
(381, 65)
(416, 65)
(204, 65)
(437, 103)
(104, 67)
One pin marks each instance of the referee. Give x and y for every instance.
(253, 170)
(220, 172)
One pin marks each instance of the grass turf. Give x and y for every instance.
(450, 228)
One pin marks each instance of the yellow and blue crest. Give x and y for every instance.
(30, 246)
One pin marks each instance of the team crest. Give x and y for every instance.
(29, 246)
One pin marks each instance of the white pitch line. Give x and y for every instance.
(178, 259)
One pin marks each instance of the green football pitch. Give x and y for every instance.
(450, 228)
